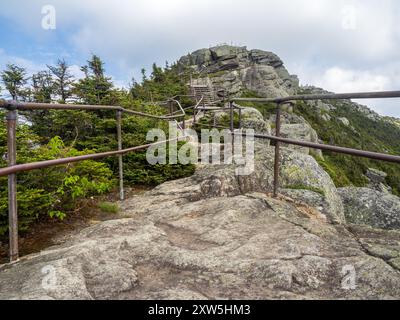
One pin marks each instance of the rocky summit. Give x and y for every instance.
(215, 235)
(236, 68)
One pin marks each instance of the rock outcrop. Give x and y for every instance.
(236, 68)
(217, 235)
(192, 240)
(377, 180)
(371, 207)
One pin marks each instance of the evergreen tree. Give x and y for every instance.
(96, 66)
(14, 78)
(143, 72)
(63, 80)
(85, 70)
(157, 74)
(42, 87)
(95, 88)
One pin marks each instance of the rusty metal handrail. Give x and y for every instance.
(94, 156)
(328, 147)
(328, 96)
(12, 104)
(13, 168)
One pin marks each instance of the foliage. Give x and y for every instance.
(63, 79)
(304, 187)
(364, 133)
(266, 108)
(108, 207)
(163, 84)
(53, 191)
(42, 87)
(95, 87)
(14, 78)
(57, 191)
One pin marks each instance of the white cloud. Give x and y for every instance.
(307, 34)
(344, 80)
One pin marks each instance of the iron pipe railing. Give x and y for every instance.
(57, 162)
(13, 168)
(327, 96)
(56, 106)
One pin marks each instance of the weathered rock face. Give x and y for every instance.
(205, 237)
(299, 171)
(253, 119)
(345, 121)
(301, 131)
(370, 207)
(176, 244)
(296, 127)
(377, 180)
(236, 68)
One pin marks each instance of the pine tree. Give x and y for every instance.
(95, 88)
(157, 74)
(14, 78)
(143, 72)
(96, 66)
(63, 80)
(42, 87)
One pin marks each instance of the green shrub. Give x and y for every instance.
(304, 187)
(53, 192)
(108, 207)
(364, 134)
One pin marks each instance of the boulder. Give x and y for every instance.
(226, 52)
(298, 169)
(326, 117)
(289, 118)
(377, 180)
(370, 207)
(265, 57)
(376, 176)
(201, 57)
(253, 119)
(263, 80)
(303, 132)
(344, 121)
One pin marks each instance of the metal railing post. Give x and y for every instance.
(170, 106)
(231, 127)
(240, 118)
(120, 157)
(277, 149)
(12, 184)
(231, 115)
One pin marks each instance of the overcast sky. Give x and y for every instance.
(340, 45)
